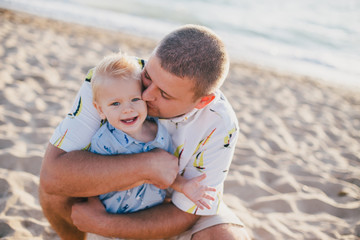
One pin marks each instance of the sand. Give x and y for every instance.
(296, 170)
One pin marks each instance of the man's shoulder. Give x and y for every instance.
(218, 118)
(221, 110)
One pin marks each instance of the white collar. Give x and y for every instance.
(184, 117)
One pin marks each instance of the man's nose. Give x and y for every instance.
(148, 94)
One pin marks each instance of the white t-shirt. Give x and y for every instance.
(204, 140)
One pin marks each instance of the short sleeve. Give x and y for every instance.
(213, 156)
(80, 124)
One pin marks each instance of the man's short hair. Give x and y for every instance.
(197, 53)
(117, 65)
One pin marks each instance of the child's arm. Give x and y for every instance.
(194, 190)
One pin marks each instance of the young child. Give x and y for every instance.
(117, 90)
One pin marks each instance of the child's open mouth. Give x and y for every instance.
(129, 121)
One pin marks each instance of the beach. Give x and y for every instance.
(296, 169)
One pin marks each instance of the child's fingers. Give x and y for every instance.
(200, 178)
(207, 196)
(210, 189)
(204, 204)
(201, 203)
(198, 203)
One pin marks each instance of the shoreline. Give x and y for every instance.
(295, 173)
(65, 27)
(295, 49)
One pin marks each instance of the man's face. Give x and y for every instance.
(166, 95)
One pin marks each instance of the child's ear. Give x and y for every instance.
(204, 101)
(98, 108)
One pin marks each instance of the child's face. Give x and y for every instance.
(119, 101)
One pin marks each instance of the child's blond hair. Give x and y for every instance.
(117, 65)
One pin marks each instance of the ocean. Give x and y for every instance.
(319, 39)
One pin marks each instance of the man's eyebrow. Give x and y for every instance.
(162, 91)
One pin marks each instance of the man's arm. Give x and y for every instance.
(161, 221)
(84, 174)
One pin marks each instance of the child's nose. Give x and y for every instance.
(127, 108)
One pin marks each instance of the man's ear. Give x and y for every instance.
(98, 108)
(204, 101)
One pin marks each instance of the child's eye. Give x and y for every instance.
(115, 104)
(135, 99)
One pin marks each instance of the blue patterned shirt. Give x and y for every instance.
(109, 141)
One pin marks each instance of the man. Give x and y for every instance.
(181, 81)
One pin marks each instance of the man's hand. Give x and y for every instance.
(163, 168)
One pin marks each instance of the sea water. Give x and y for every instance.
(319, 38)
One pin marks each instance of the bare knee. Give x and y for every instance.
(57, 209)
(222, 231)
(55, 205)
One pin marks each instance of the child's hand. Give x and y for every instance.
(197, 192)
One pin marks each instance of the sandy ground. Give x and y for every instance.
(296, 170)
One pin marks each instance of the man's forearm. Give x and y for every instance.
(83, 174)
(162, 221)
